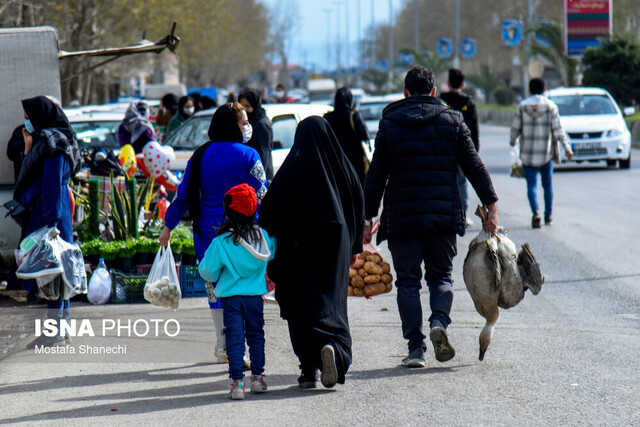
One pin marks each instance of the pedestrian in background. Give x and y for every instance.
(136, 129)
(221, 163)
(51, 158)
(206, 103)
(168, 109)
(460, 101)
(237, 260)
(419, 146)
(186, 108)
(536, 125)
(350, 130)
(262, 138)
(314, 209)
(280, 96)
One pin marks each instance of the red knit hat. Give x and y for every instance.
(242, 199)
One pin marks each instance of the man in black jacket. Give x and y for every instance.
(262, 137)
(419, 145)
(460, 101)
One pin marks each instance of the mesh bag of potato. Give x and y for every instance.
(370, 275)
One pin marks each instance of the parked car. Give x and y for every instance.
(97, 129)
(371, 107)
(284, 121)
(594, 124)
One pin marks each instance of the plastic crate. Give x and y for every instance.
(127, 288)
(191, 284)
(146, 268)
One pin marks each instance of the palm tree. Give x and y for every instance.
(431, 60)
(486, 81)
(554, 53)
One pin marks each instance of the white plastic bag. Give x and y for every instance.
(163, 285)
(74, 275)
(517, 171)
(99, 287)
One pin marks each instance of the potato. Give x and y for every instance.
(357, 282)
(350, 291)
(358, 264)
(372, 268)
(364, 255)
(374, 258)
(375, 288)
(372, 278)
(385, 267)
(386, 278)
(352, 273)
(362, 272)
(389, 286)
(357, 292)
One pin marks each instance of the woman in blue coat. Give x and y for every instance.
(51, 157)
(223, 162)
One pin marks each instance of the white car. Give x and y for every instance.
(97, 129)
(371, 107)
(594, 124)
(284, 121)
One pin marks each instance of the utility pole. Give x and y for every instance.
(527, 46)
(360, 56)
(338, 41)
(416, 26)
(390, 61)
(328, 12)
(456, 38)
(373, 33)
(347, 38)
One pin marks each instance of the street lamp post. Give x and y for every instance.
(338, 65)
(456, 38)
(328, 12)
(390, 61)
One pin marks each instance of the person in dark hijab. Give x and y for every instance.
(15, 149)
(52, 157)
(350, 130)
(206, 102)
(196, 96)
(315, 210)
(262, 139)
(186, 108)
(168, 109)
(136, 129)
(216, 166)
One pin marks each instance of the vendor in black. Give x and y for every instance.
(314, 208)
(419, 145)
(262, 137)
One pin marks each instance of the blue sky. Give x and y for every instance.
(310, 43)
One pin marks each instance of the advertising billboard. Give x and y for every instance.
(584, 22)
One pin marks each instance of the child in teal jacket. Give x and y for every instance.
(237, 260)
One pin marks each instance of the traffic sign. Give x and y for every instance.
(445, 48)
(468, 48)
(382, 64)
(512, 32)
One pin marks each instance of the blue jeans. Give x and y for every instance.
(531, 175)
(408, 252)
(462, 187)
(244, 319)
(58, 309)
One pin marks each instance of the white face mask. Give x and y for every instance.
(280, 94)
(246, 134)
(188, 110)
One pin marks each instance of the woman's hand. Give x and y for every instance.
(28, 141)
(165, 236)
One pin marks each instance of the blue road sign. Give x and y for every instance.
(406, 58)
(382, 64)
(512, 32)
(445, 48)
(468, 48)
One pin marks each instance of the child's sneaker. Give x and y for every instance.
(257, 384)
(220, 355)
(237, 390)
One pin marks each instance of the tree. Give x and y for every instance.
(554, 53)
(615, 66)
(377, 78)
(486, 80)
(285, 19)
(431, 60)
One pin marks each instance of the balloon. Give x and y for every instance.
(128, 160)
(158, 158)
(168, 180)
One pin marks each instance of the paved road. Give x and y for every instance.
(568, 356)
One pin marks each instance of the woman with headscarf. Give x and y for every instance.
(262, 139)
(350, 130)
(136, 129)
(168, 109)
(186, 108)
(223, 162)
(315, 210)
(52, 157)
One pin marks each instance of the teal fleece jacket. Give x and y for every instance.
(237, 267)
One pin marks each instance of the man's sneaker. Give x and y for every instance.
(307, 382)
(257, 384)
(535, 221)
(45, 341)
(444, 350)
(237, 390)
(548, 220)
(415, 359)
(329, 375)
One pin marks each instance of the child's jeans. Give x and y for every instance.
(244, 318)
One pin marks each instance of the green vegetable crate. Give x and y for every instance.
(127, 288)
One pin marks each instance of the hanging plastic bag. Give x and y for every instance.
(163, 286)
(99, 291)
(41, 259)
(370, 274)
(74, 275)
(517, 171)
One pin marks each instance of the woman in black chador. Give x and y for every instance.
(314, 208)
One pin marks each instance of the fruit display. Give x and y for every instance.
(163, 293)
(369, 275)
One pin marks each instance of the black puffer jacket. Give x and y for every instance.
(419, 144)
